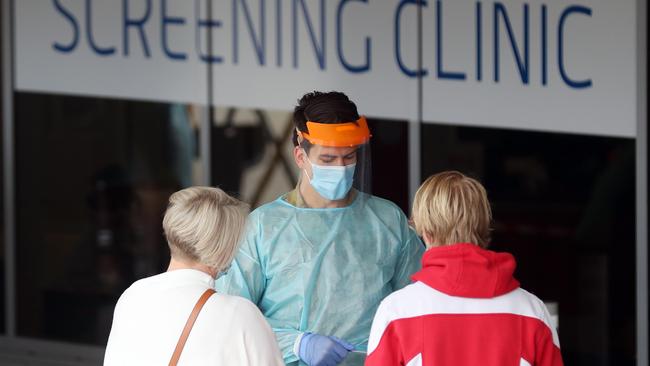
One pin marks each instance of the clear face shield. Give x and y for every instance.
(337, 158)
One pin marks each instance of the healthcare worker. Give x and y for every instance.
(318, 260)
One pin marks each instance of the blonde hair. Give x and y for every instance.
(204, 224)
(452, 208)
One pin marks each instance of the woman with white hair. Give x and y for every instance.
(176, 317)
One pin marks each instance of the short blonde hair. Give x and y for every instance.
(204, 224)
(452, 208)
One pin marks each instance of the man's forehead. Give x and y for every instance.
(334, 151)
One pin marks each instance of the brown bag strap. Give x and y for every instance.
(188, 326)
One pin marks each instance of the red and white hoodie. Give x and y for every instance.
(464, 308)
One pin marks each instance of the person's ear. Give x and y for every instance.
(299, 157)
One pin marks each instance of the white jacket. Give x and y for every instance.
(150, 316)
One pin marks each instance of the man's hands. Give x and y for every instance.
(318, 350)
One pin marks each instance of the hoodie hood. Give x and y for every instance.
(467, 270)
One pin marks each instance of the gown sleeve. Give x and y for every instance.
(246, 278)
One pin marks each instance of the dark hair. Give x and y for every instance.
(329, 107)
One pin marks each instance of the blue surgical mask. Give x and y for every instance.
(332, 182)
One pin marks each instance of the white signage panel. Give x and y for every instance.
(566, 66)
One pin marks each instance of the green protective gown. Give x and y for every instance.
(323, 271)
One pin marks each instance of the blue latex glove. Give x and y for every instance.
(318, 350)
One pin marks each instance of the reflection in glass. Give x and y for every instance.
(93, 177)
(390, 161)
(252, 153)
(564, 206)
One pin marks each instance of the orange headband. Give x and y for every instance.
(337, 134)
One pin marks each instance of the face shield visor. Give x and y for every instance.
(337, 158)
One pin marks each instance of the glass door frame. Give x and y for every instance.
(642, 184)
(12, 346)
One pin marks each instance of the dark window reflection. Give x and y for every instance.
(564, 205)
(239, 143)
(93, 177)
(390, 160)
(2, 206)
